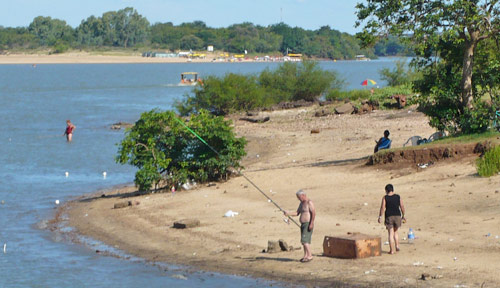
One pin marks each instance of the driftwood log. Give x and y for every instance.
(255, 120)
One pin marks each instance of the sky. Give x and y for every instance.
(308, 14)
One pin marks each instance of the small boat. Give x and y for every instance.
(190, 79)
(362, 58)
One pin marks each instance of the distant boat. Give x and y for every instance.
(190, 79)
(362, 58)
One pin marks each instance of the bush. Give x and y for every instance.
(165, 152)
(380, 95)
(489, 164)
(60, 47)
(222, 96)
(233, 92)
(399, 75)
(476, 120)
(304, 81)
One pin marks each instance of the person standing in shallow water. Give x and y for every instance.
(394, 210)
(307, 214)
(69, 130)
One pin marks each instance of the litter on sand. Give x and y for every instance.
(230, 213)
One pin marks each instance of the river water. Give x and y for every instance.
(34, 157)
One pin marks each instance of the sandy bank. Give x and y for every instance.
(450, 208)
(88, 58)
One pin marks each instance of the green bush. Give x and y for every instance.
(304, 81)
(166, 153)
(476, 120)
(489, 164)
(234, 92)
(221, 96)
(60, 47)
(380, 95)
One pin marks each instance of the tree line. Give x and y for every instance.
(126, 28)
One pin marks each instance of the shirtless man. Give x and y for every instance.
(307, 214)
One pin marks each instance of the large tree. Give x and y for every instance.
(49, 31)
(463, 22)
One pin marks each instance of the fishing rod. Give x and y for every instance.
(239, 172)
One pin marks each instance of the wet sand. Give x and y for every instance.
(448, 206)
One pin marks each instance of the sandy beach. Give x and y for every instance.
(91, 58)
(451, 209)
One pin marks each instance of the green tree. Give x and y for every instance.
(12, 38)
(399, 75)
(49, 31)
(167, 154)
(191, 42)
(462, 22)
(91, 32)
(123, 28)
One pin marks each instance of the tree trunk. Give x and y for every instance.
(468, 62)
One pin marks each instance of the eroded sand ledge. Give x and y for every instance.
(451, 209)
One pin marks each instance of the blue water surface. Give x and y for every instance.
(34, 156)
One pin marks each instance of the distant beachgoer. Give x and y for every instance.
(384, 142)
(69, 130)
(307, 214)
(394, 210)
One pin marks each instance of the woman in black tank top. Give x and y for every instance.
(394, 211)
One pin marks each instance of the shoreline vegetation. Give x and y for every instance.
(130, 32)
(282, 157)
(98, 57)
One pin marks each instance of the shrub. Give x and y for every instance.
(304, 81)
(233, 92)
(221, 96)
(60, 47)
(489, 164)
(380, 95)
(165, 152)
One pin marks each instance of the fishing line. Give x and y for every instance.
(239, 172)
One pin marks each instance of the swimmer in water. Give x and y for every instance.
(69, 130)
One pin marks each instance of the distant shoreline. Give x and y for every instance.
(87, 58)
(91, 58)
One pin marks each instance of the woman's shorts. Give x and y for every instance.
(393, 222)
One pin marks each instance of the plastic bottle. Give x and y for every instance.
(411, 236)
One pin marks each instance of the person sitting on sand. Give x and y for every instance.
(384, 142)
(307, 214)
(394, 213)
(69, 130)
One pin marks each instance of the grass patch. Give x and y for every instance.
(489, 164)
(476, 137)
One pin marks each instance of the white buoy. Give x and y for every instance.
(5, 248)
(104, 174)
(57, 202)
(67, 174)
